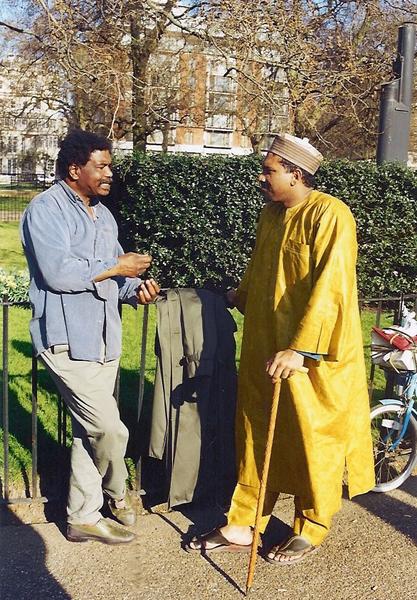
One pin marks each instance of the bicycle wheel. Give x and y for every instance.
(392, 466)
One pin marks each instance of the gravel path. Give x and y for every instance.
(371, 553)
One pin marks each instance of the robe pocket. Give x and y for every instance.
(296, 247)
(296, 261)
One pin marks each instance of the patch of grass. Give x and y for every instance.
(11, 252)
(27, 193)
(21, 188)
(20, 396)
(13, 203)
(368, 320)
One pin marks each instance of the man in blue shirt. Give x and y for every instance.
(78, 274)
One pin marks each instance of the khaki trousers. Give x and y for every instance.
(99, 436)
(312, 526)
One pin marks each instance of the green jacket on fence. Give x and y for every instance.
(192, 425)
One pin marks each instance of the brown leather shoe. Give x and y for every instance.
(125, 515)
(104, 531)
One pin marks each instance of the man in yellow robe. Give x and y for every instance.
(300, 303)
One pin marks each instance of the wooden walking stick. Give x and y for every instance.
(264, 479)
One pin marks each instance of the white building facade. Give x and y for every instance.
(30, 129)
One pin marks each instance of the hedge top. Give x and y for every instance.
(197, 217)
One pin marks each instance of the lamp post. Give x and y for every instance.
(396, 99)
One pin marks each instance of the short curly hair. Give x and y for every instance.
(76, 148)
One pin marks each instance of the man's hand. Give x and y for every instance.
(147, 291)
(231, 297)
(132, 264)
(284, 364)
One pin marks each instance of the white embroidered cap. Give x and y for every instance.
(298, 151)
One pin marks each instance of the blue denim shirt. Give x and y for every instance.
(66, 249)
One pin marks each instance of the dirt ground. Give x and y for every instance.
(371, 553)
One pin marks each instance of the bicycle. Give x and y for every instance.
(394, 435)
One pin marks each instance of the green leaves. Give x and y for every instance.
(197, 217)
(14, 284)
(383, 200)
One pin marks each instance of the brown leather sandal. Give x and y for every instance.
(296, 548)
(222, 544)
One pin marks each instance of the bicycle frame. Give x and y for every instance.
(408, 403)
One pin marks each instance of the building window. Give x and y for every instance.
(220, 108)
(157, 137)
(272, 123)
(218, 139)
(21, 122)
(12, 144)
(163, 91)
(217, 80)
(12, 166)
(220, 111)
(49, 142)
(189, 137)
(7, 123)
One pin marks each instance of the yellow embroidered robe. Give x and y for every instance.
(299, 291)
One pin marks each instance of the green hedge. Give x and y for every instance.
(197, 217)
(383, 200)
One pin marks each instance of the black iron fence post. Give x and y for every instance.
(143, 359)
(34, 425)
(372, 372)
(145, 323)
(5, 396)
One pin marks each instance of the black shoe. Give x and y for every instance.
(125, 515)
(104, 531)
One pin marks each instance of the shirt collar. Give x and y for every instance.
(75, 197)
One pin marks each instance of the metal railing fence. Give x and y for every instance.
(381, 311)
(17, 190)
(388, 309)
(32, 489)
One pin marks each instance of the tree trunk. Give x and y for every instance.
(144, 42)
(140, 59)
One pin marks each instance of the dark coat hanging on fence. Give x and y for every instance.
(193, 413)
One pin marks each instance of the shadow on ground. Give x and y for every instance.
(23, 571)
(205, 518)
(394, 511)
